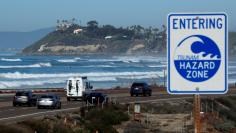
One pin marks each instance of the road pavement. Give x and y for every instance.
(9, 114)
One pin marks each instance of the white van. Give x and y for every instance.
(77, 88)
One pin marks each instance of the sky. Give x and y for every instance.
(28, 15)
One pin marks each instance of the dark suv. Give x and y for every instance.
(140, 88)
(97, 98)
(24, 98)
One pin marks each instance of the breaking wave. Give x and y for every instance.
(29, 66)
(157, 65)
(129, 59)
(8, 59)
(18, 79)
(18, 75)
(68, 60)
(100, 79)
(99, 66)
(15, 84)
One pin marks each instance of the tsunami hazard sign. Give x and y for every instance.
(197, 53)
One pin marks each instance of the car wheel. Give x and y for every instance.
(68, 99)
(39, 107)
(144, 94)
(107, 100)
(59, 107)
(54, 106)
(150, 93)
(30, 104)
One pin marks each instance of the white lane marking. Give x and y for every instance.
(38, 113)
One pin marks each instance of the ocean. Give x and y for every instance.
(22, 72)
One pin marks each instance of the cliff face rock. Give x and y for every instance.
(59, 48)
(108, 47)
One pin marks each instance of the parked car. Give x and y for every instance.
(140, 88)
(49, 101)
(96, 97)
(24, 98)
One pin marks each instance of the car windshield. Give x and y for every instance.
(22, 94)
(47, 96)
(96, 94)
(138, 84)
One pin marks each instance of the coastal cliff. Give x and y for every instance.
(74, 39)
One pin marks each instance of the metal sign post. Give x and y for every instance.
(197, 117)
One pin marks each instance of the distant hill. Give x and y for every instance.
(20, 40)
(95, 39)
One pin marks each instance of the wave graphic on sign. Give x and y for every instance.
(206, 47)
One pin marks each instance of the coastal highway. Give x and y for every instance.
(10, 114)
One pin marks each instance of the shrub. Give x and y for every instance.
(103, 119)
(9, 129)
(224, 126)
(61, 128)
(38, 126)
(134, 127)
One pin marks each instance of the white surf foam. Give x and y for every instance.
(152, 76)
(130, 59)
(233, 62)
(18, 75)
(99, 66)
(103, 60)
(10, 59)
(231, 81)
(66, 60)
(15, 84)
(42, 79)
(99, 79)
(29, 66)
(69, 60)
(232, 73)
(232, 67)
(156, 65)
